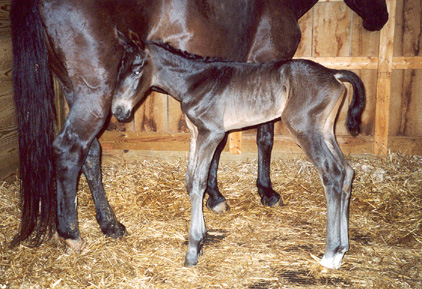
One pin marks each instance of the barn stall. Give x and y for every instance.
(250, 246)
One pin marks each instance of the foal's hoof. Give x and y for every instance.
(218, 206)
(271, 198)
(115, 230)
(190, 263)
(74, 245)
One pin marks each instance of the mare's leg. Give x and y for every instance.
(104, 213)
(202, 149)
(265, 140)
(216, 201)
(86, 117)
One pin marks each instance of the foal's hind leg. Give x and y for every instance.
(333, 175)
(314, 133)
(216, 201)
(265, 140)
(345, 200)
(104, 213)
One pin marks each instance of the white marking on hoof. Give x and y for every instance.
(332, 263)
(74, 245)
(220, 208)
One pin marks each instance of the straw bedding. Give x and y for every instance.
(248, 247)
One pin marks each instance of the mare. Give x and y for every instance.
(219, 96)
(74, 41)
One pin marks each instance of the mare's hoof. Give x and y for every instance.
(271, 199)
(74, 245)
(115, 230)
(218, 206)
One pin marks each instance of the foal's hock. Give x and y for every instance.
(218, 96)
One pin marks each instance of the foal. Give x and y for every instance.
(219, 96)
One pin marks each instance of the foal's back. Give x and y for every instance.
(251, 94)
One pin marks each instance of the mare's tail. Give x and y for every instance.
(354, 114)
(34, 102)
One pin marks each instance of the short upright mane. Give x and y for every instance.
(185, 54)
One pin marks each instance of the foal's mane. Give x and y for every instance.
(185, 54)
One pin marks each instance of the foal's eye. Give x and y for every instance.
(137, 72)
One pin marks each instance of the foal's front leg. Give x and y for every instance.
(203, 145)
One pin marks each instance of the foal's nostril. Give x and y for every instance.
(118, 111)
(121, 114)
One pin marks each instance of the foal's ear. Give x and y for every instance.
(134, 37)
(131, 42)
(122, 38)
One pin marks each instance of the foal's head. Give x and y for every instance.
(134, 76)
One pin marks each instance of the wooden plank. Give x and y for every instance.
(177, 121)
(4, 19)
(346, 62)
(127, 141)
(409, 36)
(235, 142)
(406, 99)
(9, 154)
(111, 140)
(384, 82)
(332, 23)
(5, 58)
(363, 42)
(305, 44)
(151, 116)
(407, 62)
(401, 62)
(406, 145)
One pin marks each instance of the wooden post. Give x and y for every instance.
(382, 110)
(235, 142)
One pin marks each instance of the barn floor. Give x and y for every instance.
(248, 247)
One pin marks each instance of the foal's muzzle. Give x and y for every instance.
(121, 113)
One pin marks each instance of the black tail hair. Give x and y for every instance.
(357, 105)
(34, 104)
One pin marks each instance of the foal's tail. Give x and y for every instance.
(354, 114)
(34, 102)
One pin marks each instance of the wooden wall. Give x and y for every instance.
(8, 134)
(389, 62)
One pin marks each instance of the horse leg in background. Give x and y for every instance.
(202, 148)
(71, 147)
(264, 141)
(104, 213)
(216, 201)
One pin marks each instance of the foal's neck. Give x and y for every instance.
(175, 69)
